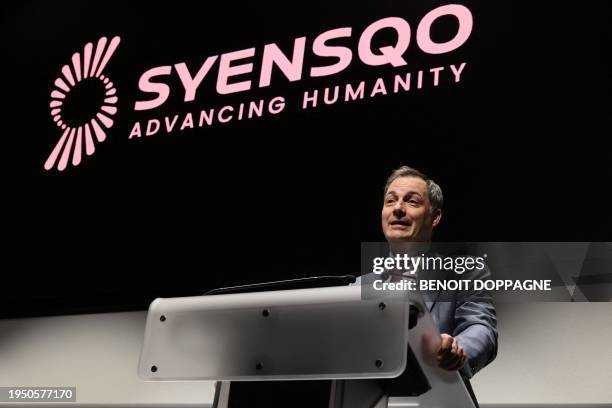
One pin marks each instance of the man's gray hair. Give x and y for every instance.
(435, 192)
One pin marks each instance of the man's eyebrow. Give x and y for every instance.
(408, 193)
(412, 192)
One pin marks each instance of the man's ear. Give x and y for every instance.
(437, 216)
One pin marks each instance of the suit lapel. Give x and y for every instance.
(432, 296)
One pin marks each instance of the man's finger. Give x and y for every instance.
(446, 344)
(448, 359)
(452, 359)
(451, 364)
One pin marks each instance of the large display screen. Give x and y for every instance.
(169, 148)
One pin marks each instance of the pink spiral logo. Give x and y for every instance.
(81, 70)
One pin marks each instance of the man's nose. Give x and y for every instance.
(399, 210)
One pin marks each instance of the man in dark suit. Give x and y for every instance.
(411, 210)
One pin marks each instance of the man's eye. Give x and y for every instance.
(389, 201)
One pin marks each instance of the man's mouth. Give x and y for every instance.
(400, 223)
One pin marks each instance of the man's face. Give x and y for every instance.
(406, 212)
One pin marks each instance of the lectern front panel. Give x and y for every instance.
(322, 333)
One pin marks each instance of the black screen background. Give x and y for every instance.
(520, 148)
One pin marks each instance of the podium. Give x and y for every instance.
(312, 347)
